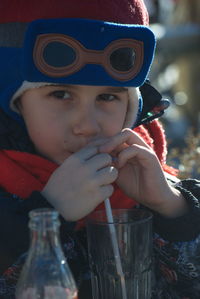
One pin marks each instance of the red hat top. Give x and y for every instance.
(118, 11)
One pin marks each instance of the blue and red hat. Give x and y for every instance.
(75, 42)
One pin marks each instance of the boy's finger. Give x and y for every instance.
(126, 136)
(87, 152)
(100, 161)
(106, 191)
(90, 149)
(98, 142)
(135, 151)
(107, 175)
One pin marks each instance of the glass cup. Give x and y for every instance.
(133, 229)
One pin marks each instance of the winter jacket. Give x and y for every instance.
(176, 241)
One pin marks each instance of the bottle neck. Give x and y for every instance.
(44, 226)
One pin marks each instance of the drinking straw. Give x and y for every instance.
(115, 246)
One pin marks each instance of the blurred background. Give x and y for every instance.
(176, 74)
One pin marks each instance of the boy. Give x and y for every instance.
(68, 109)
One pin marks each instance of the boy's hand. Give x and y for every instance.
(81, 183)
(141, 176)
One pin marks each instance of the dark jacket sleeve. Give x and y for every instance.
(14, 231)
(186, 227)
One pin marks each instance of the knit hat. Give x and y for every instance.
(117, 11)
(20, 71)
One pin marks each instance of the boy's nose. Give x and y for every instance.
(86, 123)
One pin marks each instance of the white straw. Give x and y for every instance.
(115, 246)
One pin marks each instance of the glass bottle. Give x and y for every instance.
(46, 273)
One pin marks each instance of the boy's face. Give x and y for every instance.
(62, 119)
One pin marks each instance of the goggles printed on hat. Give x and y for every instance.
(79, 51)
(122, 59)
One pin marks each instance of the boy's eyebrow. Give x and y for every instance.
(116, 89)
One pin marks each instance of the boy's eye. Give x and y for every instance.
(60, 94)
(107, 97)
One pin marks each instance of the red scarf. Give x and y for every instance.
(22, 173)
